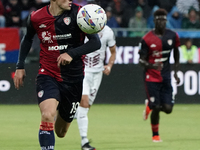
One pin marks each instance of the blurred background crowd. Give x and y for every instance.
(128, 14)
(182, 14)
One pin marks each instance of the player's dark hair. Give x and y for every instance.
(160, 12)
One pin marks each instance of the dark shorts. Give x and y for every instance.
(68, 94)
(159, 93)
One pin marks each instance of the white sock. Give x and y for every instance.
(82, 120)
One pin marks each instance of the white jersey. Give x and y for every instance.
(94, 62)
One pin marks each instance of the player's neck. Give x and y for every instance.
(159, 32)
(54, 9)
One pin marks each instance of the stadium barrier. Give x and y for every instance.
(123, 86)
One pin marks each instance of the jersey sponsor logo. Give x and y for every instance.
(169, 41)
(161, 59)
(46, 37)
(57, 48)
(158, 54)
(61, 37)
(42, 26)
(67, 20)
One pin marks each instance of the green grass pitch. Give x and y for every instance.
(111, 127)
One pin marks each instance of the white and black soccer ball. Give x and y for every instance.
(91, 18)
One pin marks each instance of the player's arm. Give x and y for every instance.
(23, 52)
(143, 52)
(176, 64)
(108, 67)
(90, 46)
(176, 58)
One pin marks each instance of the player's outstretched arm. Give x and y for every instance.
(108, 67)
(92, 45)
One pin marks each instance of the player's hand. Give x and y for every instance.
(107, 70)
(158, 66)
(64, 59)
(176, 78)
(19, 78)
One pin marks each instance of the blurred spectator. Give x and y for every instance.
(26, 8)
(122, 11)
(111, 21)
(150, 20)
(175, 18)
(184, 6)
(13, 13)
(189, 53)
(39, 4)
(105, 3)
(192, 21)
(145, 7)
(2, 18)
(165, 4)
(80, 2)
(137, 21)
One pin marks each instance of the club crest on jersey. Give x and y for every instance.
(169, 41)
(67, 20)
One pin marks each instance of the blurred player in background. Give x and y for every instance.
(154, 52)
(94, 69)
(60, 76)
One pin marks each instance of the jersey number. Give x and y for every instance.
(74, 107)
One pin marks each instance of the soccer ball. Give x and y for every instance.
(91, 18)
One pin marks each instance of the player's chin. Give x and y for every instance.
(67, 6)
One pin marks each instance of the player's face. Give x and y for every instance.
(160, 22)
(64, 4)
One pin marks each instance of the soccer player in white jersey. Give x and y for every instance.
(94, 69)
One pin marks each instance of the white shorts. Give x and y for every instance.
(91, 83)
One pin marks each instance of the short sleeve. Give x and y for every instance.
(111, 39)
